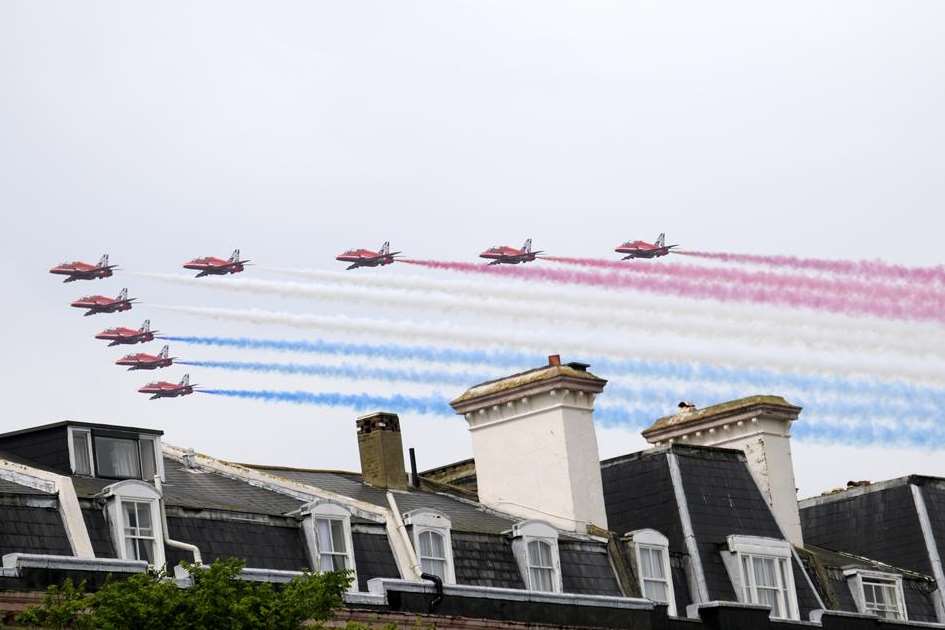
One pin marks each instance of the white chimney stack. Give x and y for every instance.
(535, 445)
(760, 427)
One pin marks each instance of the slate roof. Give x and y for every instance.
(465, 516)
(27, 529)
(10, 487)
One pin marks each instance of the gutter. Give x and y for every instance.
(177, 544)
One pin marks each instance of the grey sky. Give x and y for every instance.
(159, 132)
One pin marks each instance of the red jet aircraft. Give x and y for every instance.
(128, 336)
(101, 304)
(211, 266)
(368, 258)
(163, 389)
(503, 254)
(642, 249)
(84, 271)
(142, 361)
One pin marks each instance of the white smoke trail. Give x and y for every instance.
(597, 344)
(746, 324)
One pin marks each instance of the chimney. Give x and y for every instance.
(760, 427)
(535, 445)
(381, 449)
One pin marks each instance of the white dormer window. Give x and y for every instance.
(327, 528)
(651, 557)
(432, 542)
(115, 454)
(535, 545)
(877, 593)
(134, 516)
(763, 574)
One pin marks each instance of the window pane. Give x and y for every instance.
(327, 563)
(338, 536)
(80, 448)
(656, 591)
(117, 458)
(434, 567)
(541, 579)
(340, 562)
(148, 462)
(436, 544)
(652, 563)
(323, 533)
(144, 518)
(131, 515)
(146, 550)
(426, 548)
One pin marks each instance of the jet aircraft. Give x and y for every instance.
(368, 258)
(642, 249)
(142, 361)
(77, 270)
(163, 389)
(128, 336)
(503, 254)
(101, 304)
(211, 266)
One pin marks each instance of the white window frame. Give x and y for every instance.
(88, 445)
(744, 547)
(137, 491)
(330, 511)
(530, 531)
(158, 454)
(855, 579)
(652, 539)
(424, 520)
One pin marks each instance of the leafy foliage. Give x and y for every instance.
(217, 599)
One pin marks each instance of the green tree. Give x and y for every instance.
(217, 599)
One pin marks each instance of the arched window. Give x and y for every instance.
(327, 528)
(535, 545)
(541, 568)
(430, 531)
(651, 560)
(134, 515)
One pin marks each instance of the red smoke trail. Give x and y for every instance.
(788, 282)
(680, 287)
(868, 268)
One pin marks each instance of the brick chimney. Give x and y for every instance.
(760, 427)
(535, 445)
(382, 451)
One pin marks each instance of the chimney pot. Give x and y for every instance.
(554, 360)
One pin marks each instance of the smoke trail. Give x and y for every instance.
(435, 405)
(511, 360)
(688, 289)
(698, 319)
(802, 284)
(655, 397)
(866, 268)
(426, 332)
(655, 321)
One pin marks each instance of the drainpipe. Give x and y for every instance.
(177, 544)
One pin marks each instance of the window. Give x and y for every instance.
(327, 528)
(877, 593)
(149, 466)
(117, 458)
(333, 555)
(535, 545)
(430, 532)
(133, 513)
(763, 573)
(80, 449)
(139, 534)
(651, 556)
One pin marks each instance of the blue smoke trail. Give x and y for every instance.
(759, 379)
(658, 397)
(607, 416)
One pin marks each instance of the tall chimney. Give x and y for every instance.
(535, 446)
(760, 427)
(382, 451)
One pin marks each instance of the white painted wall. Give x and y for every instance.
(537, 457)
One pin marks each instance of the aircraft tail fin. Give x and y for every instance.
(235, 256)
(104, 261)
(385, 248)
(146, 326)
(527, 247)
(123, 295)
(185, 380)
(164, 351)
(661, 240)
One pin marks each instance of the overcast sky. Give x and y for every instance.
(161, 132)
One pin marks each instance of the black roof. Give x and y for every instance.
(10, 487)
(74, 423)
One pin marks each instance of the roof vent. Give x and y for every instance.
(577, 365)
(554, 360)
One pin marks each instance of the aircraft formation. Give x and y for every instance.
(213, 266)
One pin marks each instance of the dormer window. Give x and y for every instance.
(877, 593)
(134, 516)
(535, 545)
(651, 560)
(114, 454)
(327, 528)
(761, 571)
(430, 532)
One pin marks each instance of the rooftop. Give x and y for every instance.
(574, 371)
(690, 415)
